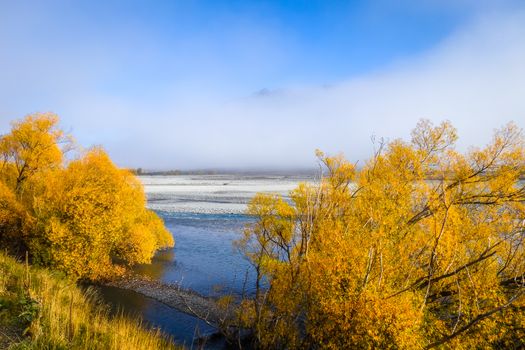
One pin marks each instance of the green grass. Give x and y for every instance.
(40, 309)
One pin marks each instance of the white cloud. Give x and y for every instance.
(475, 78)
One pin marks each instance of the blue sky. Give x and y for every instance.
(194, 84)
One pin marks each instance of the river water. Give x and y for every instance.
(205, 214)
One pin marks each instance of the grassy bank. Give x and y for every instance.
(40, 309)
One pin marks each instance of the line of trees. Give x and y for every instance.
(382, 257)
(72, 210)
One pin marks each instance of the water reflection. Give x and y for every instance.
(160, 262)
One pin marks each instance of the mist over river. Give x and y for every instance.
(205, 214)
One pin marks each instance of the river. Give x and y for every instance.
(205, 214)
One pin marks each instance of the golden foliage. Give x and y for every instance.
(87, 214)
(14, 221)
(422, 247)
(32, 146)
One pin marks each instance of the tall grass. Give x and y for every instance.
(51, 312)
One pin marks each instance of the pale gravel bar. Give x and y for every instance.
(174, 296)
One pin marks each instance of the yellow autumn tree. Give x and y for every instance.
(422, 247)
(88, 217)
(32, 146)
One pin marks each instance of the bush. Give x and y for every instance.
(85, 217)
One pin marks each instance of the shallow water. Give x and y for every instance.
(212, 193)
(205, 216)
(203, 258)
(181, 327)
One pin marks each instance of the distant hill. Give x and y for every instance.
(279, 172)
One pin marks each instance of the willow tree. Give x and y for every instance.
(84, 216)
(33, 146)
(422, 247)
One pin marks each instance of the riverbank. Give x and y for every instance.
(42, 309)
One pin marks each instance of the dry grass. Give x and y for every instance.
(50, 312)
